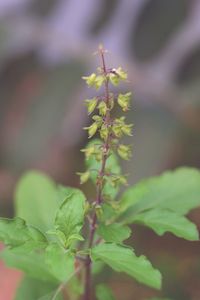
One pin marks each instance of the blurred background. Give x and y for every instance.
(45, 48)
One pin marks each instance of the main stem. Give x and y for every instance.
(87, 288)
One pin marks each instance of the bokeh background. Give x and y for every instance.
(45, 48)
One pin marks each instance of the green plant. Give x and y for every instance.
(61, 240)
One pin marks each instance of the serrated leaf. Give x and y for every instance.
(162, 221)
(103, 292)
(122, 259)
(15, 232)
(36, 200)
(60, 262)
(112, 165)
(178, 191)
(33, 289)
(70, 216)
(114, 233)
(30, 263)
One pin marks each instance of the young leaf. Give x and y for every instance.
(36, 200)
(162, 221)
(166, 191)
(70, 216)
(15, 232)
(122, 259)
(103, 292)
(115, 232)
(60, 262)
(112, 164)
(33, 289)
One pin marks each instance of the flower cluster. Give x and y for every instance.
(109, 129)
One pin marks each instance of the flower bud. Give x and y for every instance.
(124, 151)
(91, 104)
(102, 108)
(92, 129)
(84, 176)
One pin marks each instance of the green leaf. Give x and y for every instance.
(33, 289)
(122, 259)
(109, 211)
(31, 263)
(15, 232)
(64, 192)
(162, 221)
(36, 200)
(97, 267)
(112, 165)
(70, 216)
(103, 292)
(60, 262)
(178, 191)
(75, 287)
(51, 296)
(114, 233)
